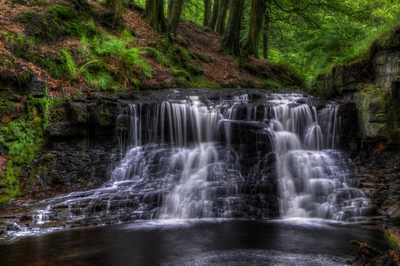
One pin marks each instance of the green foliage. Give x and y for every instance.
(202, 82)
(39, 109)
(316, 38)
(372, 89)
(9, 181)
(159, 56)
(100, 80)
(40, 2)
(59, 65)
(101, 52)
(19, 44)
(54, 63)
(59, 22)
(272, 84)
(111, 45)
(23, 142)
(181, 72)
(69, 62)
(23, 138)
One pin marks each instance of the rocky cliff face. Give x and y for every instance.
(374, 86)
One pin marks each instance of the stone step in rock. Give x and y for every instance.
(367, 185)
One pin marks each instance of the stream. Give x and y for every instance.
(196, 242)
(224, 177)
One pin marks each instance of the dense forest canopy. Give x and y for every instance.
(306, 35)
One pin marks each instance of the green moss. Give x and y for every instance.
(393, 239)
(180, 82)
(4, 103)
(9, 182)
(20, 45)
(54, 63)
(58, 23)
(181, 73)
(106, 118)
(202, 82)
(194, 70)
(42, 114)
(381, 117)
(23, 138)
(371, 89)
(203, 58)
(159, 56)
(273, 84)
(12, 72)
(41, 170)
(41, 2)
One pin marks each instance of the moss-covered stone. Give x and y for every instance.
(372, 106)
(392, 236)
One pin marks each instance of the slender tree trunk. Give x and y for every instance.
(154, 13)
(116, 7)
(214, 14)
(169, 10)
(231, 37)
(256, 18)
(173, 20)
(207, 12)
(223, 9)
(266, 34)
(148, 9)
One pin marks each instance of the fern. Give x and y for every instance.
(129, 56)
(69, 62)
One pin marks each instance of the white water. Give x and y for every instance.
(232, 157)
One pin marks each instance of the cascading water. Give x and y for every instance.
(313, 177)
(198, 154)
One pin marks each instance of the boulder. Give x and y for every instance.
(37, 88)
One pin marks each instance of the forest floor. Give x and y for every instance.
(200, 46)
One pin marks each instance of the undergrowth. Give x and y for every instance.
(22, 138)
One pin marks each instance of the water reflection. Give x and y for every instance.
(195, 242)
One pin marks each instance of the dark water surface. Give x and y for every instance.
(195, 242)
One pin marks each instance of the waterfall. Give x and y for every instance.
(312, 176)
(191, 156)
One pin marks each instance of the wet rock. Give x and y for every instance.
(348, 130)
(386, 66)
(3, 229)
(368, 256)
(394, 213)
(394, 113)
(12, 226)
(79, 112)
(65, 129)
(37, 87)
(76, 164)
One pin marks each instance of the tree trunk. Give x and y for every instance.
(256, 18)
(173, 20)
(148, 8)
(231, 37)
(223, 9)
(116, 7)
(207, 12)
(169, 9)
(154, 13)
(266, 34)
(214, 15)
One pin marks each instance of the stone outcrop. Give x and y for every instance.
(373, 84)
